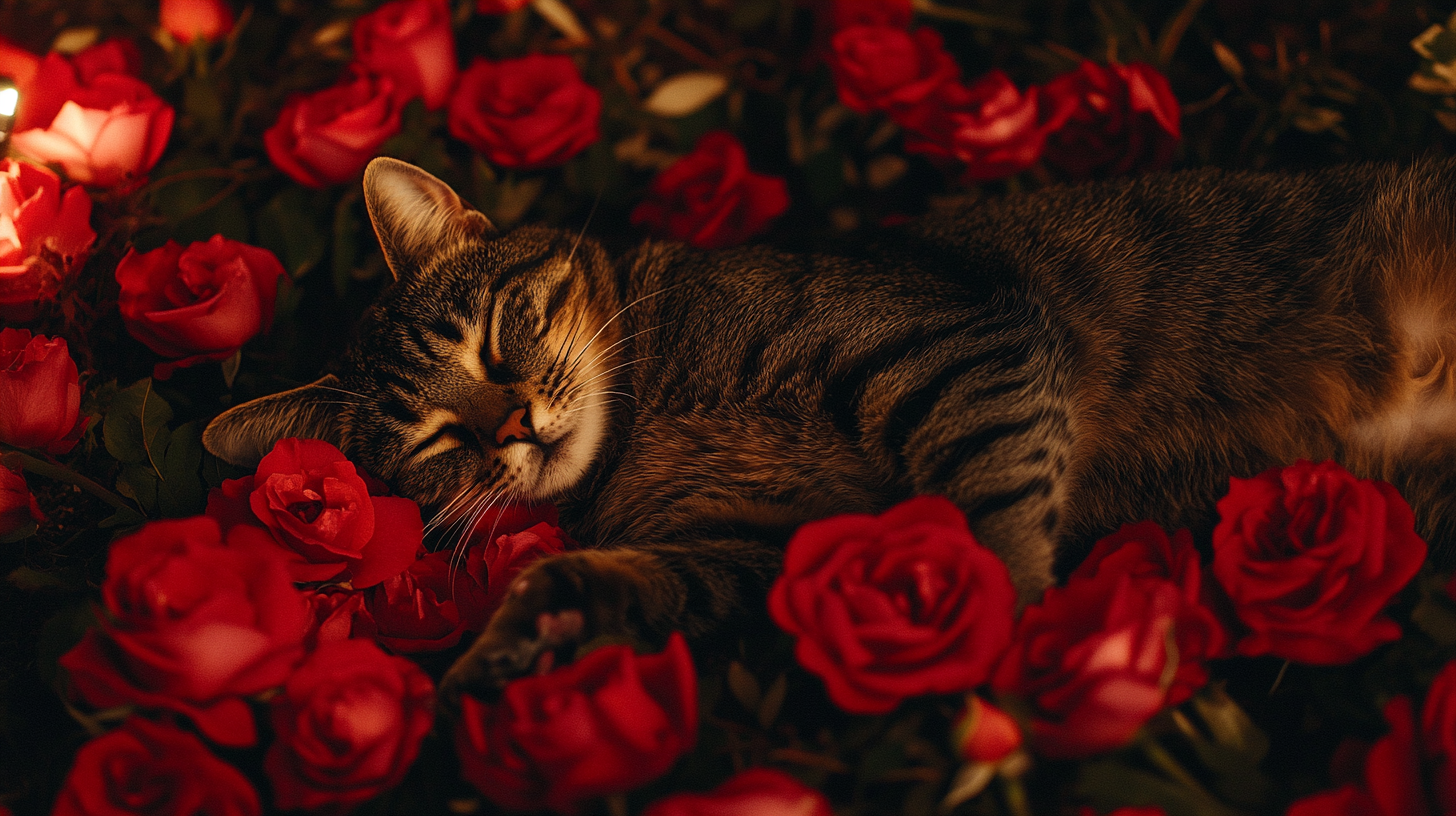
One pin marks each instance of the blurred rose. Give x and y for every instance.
(192, 626)
(754, 792)
(1391, 785)
(348, 725)
(40, 394)
(410, 41)
(17, 506)
(337, 614)
(154, 769)
(109, 131)
(327, 137)
(527, 113)
(710, 199)
(499, 6)
(1438, 730)
(879, 68)
(199, 303)
(320, 515)
(496, 563)
(188, 20)
(990, 125)
(43, 236)
(1111, 120)
(428, 607)
(894, 606)
(605, 724)
(1310, 556)
(984, 733)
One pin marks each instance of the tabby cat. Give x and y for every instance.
(1055, 363)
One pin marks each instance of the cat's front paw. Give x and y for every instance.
(556, 607)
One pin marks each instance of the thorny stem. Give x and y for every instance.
(14, 458)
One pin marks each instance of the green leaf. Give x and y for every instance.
(204, 108)
(881, 759)
(139, 483)
(286, 226)
(180, 491)
(24, 531)
(27, 579)
(191, 202)
(136, 418)
(123, 517)
(1109, 784)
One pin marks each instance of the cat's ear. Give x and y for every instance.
(243, 434)
(415, 214)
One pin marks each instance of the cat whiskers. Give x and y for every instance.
(614, 318)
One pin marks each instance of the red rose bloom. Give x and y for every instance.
(762, 791)
(327, 137)
(156, 769)
(197, 304)
(40, 393)
(893, 606)
(879, 68)
(1392, 780)
(1438, 730)
(192, 626)
(108, 130)
(410, 41)
(990, 125)
(348, 725)
(428, 607)
(608, 723)
(320, 514)
(1100, 655)
(43, 236)
(984, 733)
(1310, 556)
(46, 84)
(188, 20)
(1111, 120)
(17, 506)
(710, 199)
(525, 113)
(338, 614)
(496, 563)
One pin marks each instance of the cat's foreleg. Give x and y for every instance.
(637, 594)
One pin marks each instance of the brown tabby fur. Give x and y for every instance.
(1055, 363)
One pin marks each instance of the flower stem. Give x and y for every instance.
(59, 473)
(1169, 765)
(1014, 791)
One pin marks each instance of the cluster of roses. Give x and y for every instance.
(1095, 119)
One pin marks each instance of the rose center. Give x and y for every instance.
(306, 511)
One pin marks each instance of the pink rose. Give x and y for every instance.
(40, 394)
(109, 131)
(17, 506)
(327, 137)
(44, 235)
(410, 41)
(199, 303)
(188, 20)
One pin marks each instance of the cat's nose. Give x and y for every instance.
(516, 428)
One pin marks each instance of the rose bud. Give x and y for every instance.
(1310, 556)
(110, 131)
(40, 394)
(336, 613)
(44, 235)
(153, 768)
(410, 41)
(762, 791)
(526, 113)
(984, 733)
(18, 509)
(188, 20)
(327, 137)
(710, 199)
(199, 303)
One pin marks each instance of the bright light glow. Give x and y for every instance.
(8, 99)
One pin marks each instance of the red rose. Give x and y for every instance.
(879, 68)
(40, 394)
(349, 723)
(49, 235)
(1438, 730)
(156, 769)
(327, 137)
(499, 6)
(984, 733)
(18, 509)
(188, 20)
(429, 606)
(1111, 120)
(1392, 783)
(710, 198)
(321, 516)
(608, 723)
(842, 14)
(990, 125)
(338, 614)
(1310, 556)
(192, 626)
(1100, 655)
(526, 113)
(197, 304)
(1143, 550)
(893, 606)
(410, 41)
(17, 63)
(763, 791)
(496, 563)
(109, 130)
(46, 84)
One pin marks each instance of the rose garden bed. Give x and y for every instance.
(181, 229)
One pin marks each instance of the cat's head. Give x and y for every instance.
(481, 372)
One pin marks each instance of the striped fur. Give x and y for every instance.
(1056, 363)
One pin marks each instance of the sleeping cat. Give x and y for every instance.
(1055, 363)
